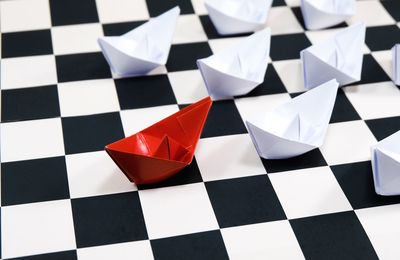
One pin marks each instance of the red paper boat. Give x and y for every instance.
(163, 149)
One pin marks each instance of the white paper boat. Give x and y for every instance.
(238, 16)
(320, 14)
(238, 69)
(338, 58)
(143, 49)
(395, 64)
(386, 165)
(296, 127)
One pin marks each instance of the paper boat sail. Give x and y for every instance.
(339, 58)
(320, 14)
(142, 49)
(296, 127)
(238, 16)
(238, 69)
(395, 64)
(386, 165)
(163, 149)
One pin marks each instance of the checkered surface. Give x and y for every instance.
(62, 197)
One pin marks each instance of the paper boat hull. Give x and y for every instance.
(145, 170)
(226, 24)
(315, 19)
(316, 72)
(386, 173)
(138, 156)
(270, 146)
(221, 85)
(395, 65)
(123, 64)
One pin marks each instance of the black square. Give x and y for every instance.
(363, 194)
(278, 3)
(157, 7)
(343, 110)
(272, 84)
(383, 127)
(204, 245)
(145, 91)
(371, 71)
(243, 201)
(27, 43)
(73, 12)
(212, 32)
(91, 133)
(108, 219)
(382, 37)
(30, 103)
(83, 66)
(190, 174)
(333, 236)
(34, 181)
(286, 47)
(64, 255)
(223, 119)
(184, 56)
(393, 8)
(311, 159)
(117, 29)
(299, 15)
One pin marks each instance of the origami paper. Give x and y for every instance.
(395, 64)
(319, 14)
(339, 58)
(238, 69)
(163, 149)
(386, 165)
(142, 49)
(296, 127)
(238, 16)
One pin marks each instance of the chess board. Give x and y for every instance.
(62, 197)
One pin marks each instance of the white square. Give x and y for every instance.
(177, 210)
(309, 192)
(86, 33)
(383, 228)
(384, 59)
(122, 251)
(24, 15)
(31, 139)
(375, 100)
(293, 3)
(218, 45)
(95, 173)
(372, 13)
(37, 228)
(320, 36)
(189, 29)
(347, 142)
(136, 120)
(199, 7)
(28, 72)
(228, 157)
(271, 240)
(283, 26)
(88, 97)
(113, 11)
(291, 74)
(252, 106)
(188, 86)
